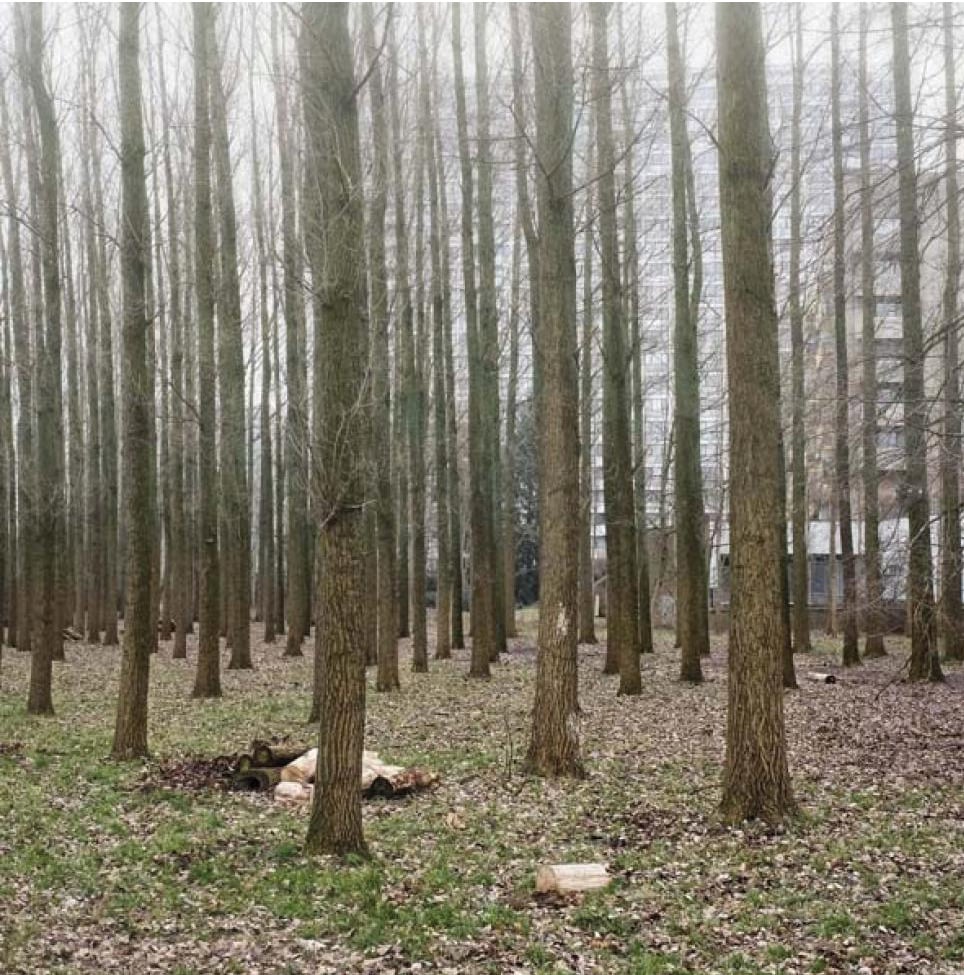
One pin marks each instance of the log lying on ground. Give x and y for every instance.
(256, 779)
(244, 763)
(275, 756)
(571, 878)
(377, 779)
(302, 769)
(820, 678)
(69, 633)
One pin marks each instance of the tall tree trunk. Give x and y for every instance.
(924, 659)
(842, 403)
(207, 681)
(874, 622)
(631, 272)
(416, 352)
(622, 604)
(386, 609)
(508, 512)
(331, 117)
(691, 606)
(484, 636)
(531, 238)
(801, 587)
(587, 601)
(296, 429)
(236, 503)
(47, 634)
(952, 615)
(130, 729)
(443, 603)
(486, 469)
(453, 487)
(266, 510)
(553, 743)
(756, 780)
(25, 394)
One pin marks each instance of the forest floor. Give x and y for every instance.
(142, 868)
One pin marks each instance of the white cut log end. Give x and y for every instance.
(571, 878)
(822, 678)
(293, 792)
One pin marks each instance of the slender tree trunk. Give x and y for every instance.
(851, 654)
(386, 608)
(756, 781)
(453, 486)
(485, 470)
(484, 636)
(207, 681)
(47, 636)
(874, 642)
(266, 516)
(622, 604)
(801, 587)
(296, 431)
(130, 729)
(553, 743)
(587, 601)
(691, 612)
(832, 572)
(331, 117)
(443, 613)
(952, 615)
(924, 658)
(508, 513)
(230, 366)
(25, 395)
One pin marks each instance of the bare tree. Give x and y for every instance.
(756, 781)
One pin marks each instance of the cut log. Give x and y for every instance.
(571, 878)
(275, 756)
(820, 678)
(256, 779)
(294, 793)
(302, 769)
(69, 633)
(244, 763)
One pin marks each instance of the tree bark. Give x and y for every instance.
(387, 619)
(130, 729)
(924, 659)
(756, 780)
(801, 587)
(952, 615)
(47, 640)
(484, 637)
(691, 598)
(622, 604)
(207, 682)
(842, 402)
(553, 744)
(874, 641)
(331, 117)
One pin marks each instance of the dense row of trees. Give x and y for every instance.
(325, 366)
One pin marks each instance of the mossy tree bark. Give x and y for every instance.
(756, 781)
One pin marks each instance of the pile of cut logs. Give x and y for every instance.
(289, 772)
